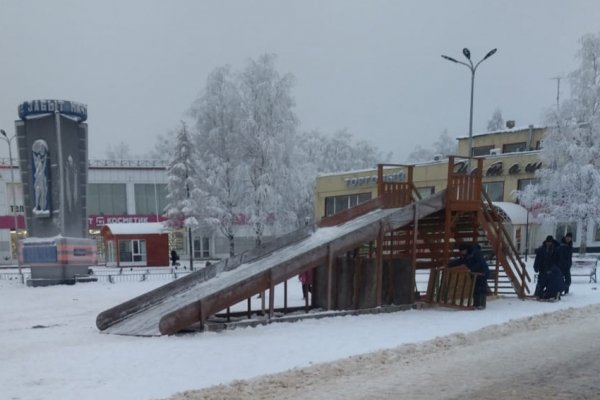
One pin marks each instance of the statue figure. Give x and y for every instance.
(39, 151)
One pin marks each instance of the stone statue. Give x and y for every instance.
(39, 150)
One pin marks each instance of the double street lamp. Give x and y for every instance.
(473, 68)
(14, 196)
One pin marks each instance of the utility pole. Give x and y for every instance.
(557, 78)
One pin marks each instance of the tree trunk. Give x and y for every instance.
(191, 249)
(583, 240)
(231, 246)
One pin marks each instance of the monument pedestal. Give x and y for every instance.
(58, 260)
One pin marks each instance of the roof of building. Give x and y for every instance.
(514, 213)
(517, 129)
(145, 228)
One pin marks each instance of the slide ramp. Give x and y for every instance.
(179, 304)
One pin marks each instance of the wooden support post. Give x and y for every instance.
(329, 278)
(201, 318)
(285, 296)
(228, 314)
(356, 289)
(379, 267)
(271, 299)
(498, 225)
(413, 261)
(249, 307)
(306, 302)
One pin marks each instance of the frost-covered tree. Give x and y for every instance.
(444, 146)
(339, 152)
(569, 180)
(119, 151)
(319, 153)
(268, 127)
(497, 122)
(164, 147)
(185, 196)
(218, 115)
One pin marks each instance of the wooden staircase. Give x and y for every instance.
(430, 243)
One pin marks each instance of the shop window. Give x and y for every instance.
(495, 190)
(481, 150)
(523, 183)
(563, 227)
(335, 204)
(514, 147)
(596, 234)
(150, 198)
(107, 198)
(202, 247)
(132, 250)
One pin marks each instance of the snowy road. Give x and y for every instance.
(550, 356)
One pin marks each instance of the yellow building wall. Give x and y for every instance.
(497, 140)
(514, 167)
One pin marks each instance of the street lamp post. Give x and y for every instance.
(473, 68)
(14, 196)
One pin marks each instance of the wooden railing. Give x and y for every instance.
(506, 253)
(464, 188)
(396, 194)
(451, 287)
(351, 213)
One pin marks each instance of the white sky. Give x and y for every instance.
(67, 358)
(373, 67)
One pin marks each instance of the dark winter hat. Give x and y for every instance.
(549, 238)
(569, 235)
(464, 246)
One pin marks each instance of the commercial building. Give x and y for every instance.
(128, 191)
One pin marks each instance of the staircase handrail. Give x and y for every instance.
(492, 216)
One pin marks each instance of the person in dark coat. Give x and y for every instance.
(565, 259)
(174, 257)
(546, 265)
(470, 255)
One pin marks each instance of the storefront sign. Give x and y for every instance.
(371, 180)
(495, 169)
(462, 166)
(98, 221)
(529, 168)
(37, 107)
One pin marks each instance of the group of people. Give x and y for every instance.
(553, 261)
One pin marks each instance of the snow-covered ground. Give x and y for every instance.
(51, 348)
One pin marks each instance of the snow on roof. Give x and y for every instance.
(137, 228)
(517, 214)
(503, 131)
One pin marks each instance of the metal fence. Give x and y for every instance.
(111, 275)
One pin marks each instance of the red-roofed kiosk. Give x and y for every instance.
(136, 245)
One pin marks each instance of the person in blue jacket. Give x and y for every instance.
(470, 255)
(565, 259)
(550, 282)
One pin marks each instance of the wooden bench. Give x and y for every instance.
(585, 267)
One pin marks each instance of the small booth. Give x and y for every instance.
(136, 245)
(520, 223)
(58, 260)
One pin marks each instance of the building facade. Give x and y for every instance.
(128, 191)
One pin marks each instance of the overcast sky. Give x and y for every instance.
(373, 67)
